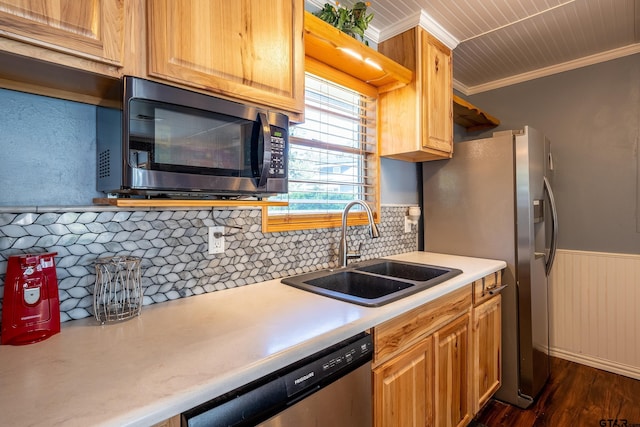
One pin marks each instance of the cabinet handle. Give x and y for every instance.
(437, 64)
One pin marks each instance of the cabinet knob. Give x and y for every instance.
(437, 63)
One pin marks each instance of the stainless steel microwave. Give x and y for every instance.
(168, 141)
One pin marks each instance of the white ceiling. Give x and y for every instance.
(501, 42)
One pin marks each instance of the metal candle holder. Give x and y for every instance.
(117, 294)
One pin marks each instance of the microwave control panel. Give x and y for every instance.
(278, 156)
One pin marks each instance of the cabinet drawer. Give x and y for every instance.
(397, 334)
(482, 287)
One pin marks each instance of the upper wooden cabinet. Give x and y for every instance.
(66, 49)
(89, 29)
(244, 49)
(417, 120)
(247, 50)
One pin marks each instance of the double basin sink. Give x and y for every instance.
(373, 283)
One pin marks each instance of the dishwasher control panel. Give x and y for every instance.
(333, 364)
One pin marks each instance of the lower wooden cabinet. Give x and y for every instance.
(451, 368)
(403, 389)
(438, 364)
(428, 384)
(421, 365)
(487, 350)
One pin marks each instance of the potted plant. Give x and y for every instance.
(352, 21)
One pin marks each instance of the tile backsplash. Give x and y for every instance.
(172, 245)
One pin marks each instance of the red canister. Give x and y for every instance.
(31, 308)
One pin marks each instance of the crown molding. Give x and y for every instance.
(373, 34)
(609, 55)
(400, 27)
(435, 29)
(424, 20)
(461, 87)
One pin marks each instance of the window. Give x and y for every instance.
(333, 159)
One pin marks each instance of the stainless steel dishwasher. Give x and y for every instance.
(329, 388)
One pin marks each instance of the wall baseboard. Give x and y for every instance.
(595, 362)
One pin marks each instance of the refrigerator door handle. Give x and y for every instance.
(554, 227)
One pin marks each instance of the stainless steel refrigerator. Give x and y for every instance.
(493, 199)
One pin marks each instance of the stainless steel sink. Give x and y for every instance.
(373, 283)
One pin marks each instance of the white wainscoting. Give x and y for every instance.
(594, 304)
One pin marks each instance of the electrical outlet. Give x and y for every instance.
(407, 224)
(216, 240)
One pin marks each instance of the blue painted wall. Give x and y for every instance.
(48, 151)
(592, 117)
(399, 182)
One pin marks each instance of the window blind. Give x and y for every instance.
(333, 155)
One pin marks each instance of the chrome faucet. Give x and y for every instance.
(343, 253)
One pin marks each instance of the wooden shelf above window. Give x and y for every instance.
(471, 117)
(330, 46)
(173, 203)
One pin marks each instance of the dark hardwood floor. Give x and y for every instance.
(576, 395)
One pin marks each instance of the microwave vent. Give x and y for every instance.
(104, 164)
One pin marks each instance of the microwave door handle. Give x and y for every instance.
(266, 140)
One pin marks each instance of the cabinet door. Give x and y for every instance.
(246, 49)
(91, 29)
(487, 348)
(437, 95)
(451, 365)
(403, 388)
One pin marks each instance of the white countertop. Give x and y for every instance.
(179, 354)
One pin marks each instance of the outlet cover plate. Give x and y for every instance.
(216, 240)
